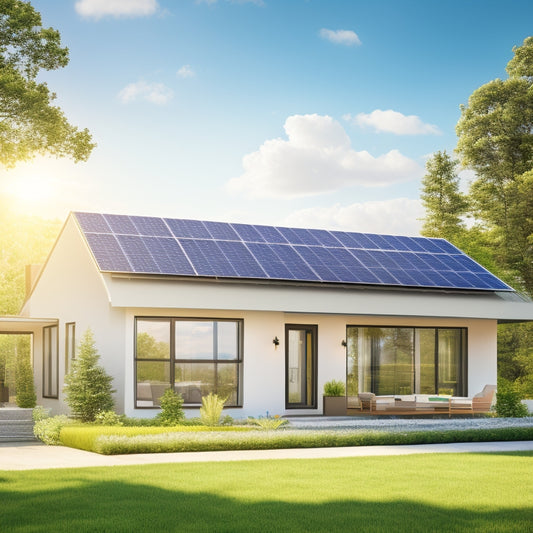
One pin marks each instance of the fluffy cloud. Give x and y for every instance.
(156, 93)
(399, 216)
(186, 72)
(210, 2)
(345, 37)
(317, 158)
(394, 122)
(116, 8)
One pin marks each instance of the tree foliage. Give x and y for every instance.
(496, 141)
(25, 386)
(444, 203)
(29, 123)
(87, 385)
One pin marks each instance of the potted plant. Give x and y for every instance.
(334, 398)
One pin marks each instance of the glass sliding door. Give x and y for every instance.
(300, 367)
(403, 361)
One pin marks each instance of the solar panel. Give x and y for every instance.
(152, 245)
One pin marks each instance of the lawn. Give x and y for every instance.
(418, 493)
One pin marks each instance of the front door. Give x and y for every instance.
(300, 366)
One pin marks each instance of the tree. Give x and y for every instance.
(87, 385)
(496, 141)
(24, 383)
(444, 203)
(29, 123)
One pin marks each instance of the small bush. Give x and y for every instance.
(109, 418)
(334, 388)
(508, 404)
(171, 409)
(48, 429)
(269, 423)
(211, 409)
(40, 413)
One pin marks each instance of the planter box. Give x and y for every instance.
(529, 405)
(334, 405)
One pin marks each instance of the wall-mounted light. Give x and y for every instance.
(275, 341)
(343, 343)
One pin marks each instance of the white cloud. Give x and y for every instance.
(116, 8)
(394, 122)
(211, 2)
(398, 216)
(317, 158)
(156, 93)
(345, 37)
(186, 72)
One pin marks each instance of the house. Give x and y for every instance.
(263, 316)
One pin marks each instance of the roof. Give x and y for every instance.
(205, 249)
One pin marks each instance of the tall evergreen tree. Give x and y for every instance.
(444, 203)
(87, 385)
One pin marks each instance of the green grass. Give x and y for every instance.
(120, 440)
(419, 493)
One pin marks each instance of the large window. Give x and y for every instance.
(50, 362)
(401, 361)
(192, 356)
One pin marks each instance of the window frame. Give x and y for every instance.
(173, 360)
(70, 344)
(462, 382)
(50, 353)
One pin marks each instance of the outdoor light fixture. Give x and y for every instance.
(275, 341)
(343, 343)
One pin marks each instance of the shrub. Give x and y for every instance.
(40, 413)
(508, 404)
(211, 409)
(49, 429)
(87, 385)
(24, 383)
(109, 418)
(269, 423)
(334, 388)
(171, 409)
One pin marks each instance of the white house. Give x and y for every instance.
(261, 315)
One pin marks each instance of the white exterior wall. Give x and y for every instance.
(72, 289)
(264, 364)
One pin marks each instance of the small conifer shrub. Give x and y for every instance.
(87, 385)
(25, 386)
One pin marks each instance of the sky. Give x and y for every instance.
(307, 113)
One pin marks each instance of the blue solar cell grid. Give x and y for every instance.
(216, 249)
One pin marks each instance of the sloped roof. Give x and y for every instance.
(204, 249)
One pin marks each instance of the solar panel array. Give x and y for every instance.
(148, 245)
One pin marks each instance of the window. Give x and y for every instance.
(70, 344)
(192, 356)
(50, 362)
(404, 361)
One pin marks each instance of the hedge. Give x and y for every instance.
(112, 440)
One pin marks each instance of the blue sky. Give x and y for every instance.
(315, 113)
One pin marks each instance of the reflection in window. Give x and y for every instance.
(194, 357)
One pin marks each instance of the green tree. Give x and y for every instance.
(496, 141)
(29, 123)
(24, 383)
(87, 385)
(441, 198)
